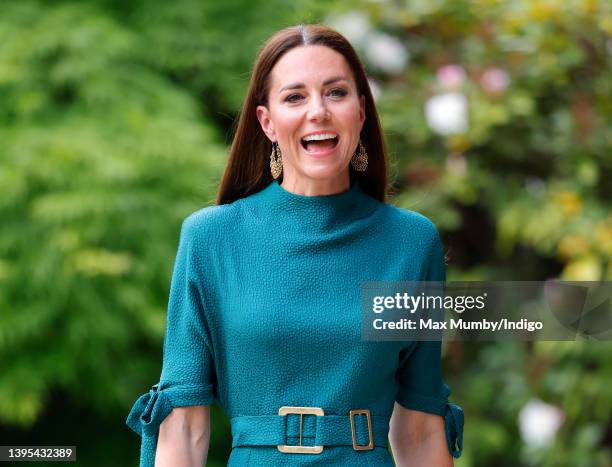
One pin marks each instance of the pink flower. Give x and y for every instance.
(494, 80)
(451, 76)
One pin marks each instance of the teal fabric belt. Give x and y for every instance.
(271, 430)
(326, 430)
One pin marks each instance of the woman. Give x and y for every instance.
(264, 304)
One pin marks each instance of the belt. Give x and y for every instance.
(308, 430)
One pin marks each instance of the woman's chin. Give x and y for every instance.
(324, 172)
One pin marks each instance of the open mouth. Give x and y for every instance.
(319, 145)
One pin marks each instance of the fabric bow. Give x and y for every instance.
(149, 411)
(453, 422)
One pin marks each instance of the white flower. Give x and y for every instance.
(494, 80)
(447, 113)
(451, 76)
(539, 422)
(386, 52)
(354, 25)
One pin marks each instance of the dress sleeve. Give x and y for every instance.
(419, 374)
(188, 376)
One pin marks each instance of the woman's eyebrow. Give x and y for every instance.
(302, 85)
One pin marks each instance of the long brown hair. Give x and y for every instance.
(247, 169)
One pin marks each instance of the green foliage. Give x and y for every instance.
(102, 157)
(536, 155)
(114, 125)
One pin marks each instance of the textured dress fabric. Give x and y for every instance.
(264, 312)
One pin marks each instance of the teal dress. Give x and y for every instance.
(264, 312)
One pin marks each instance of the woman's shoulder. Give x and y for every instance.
(209, 220)
(406, 220)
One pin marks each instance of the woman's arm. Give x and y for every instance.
(418, 439)
(184, 437)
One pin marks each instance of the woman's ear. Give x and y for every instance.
(263, 115)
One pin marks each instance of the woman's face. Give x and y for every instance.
(313, 94)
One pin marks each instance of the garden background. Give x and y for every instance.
(115, 122)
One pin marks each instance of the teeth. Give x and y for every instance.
(320, 137)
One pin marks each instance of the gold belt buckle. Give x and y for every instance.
(361, 447)
(301, 411)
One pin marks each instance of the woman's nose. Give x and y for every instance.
(318, 110)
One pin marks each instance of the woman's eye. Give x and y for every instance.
(338, 92)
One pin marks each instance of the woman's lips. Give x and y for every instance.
(320, 151)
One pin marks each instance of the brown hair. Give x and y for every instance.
(247, 169)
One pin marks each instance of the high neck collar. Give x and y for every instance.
(318, 211)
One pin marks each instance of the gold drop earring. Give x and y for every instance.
(359, 161)
(276, 164)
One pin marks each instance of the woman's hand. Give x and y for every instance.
(184, 437)
(418, 439)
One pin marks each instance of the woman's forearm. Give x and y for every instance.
(184, 437)
(418, 439)
(426, 451)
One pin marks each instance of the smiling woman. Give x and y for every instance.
(307, 80)
(264, 310)
(315, 113)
